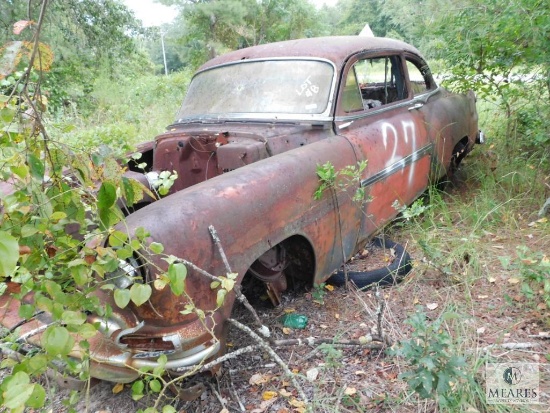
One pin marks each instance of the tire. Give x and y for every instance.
(390, 275)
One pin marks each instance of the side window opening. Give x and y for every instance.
(420, 78)
(381, 81)
(351, 97)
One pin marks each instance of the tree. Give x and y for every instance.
(212, 27)
(501, 49)
(87, 37)
(356, 14)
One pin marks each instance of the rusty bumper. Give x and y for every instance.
(109, 359)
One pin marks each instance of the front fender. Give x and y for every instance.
(252, 208)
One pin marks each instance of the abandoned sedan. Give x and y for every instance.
(247, 145)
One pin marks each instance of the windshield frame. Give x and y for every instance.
(243, 116)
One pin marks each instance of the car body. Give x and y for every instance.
(253, 129)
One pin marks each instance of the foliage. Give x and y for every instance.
(217, 26)
(435, 370)
(341, 180)
(356, 13)
(416, 209)
(318, 293)
(86, 37)
(57, 241)
(534, 269)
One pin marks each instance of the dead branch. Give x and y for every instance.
(222, 401)
(234, 393)
(265, 346)
(542, 335)
(219, 360)
(366, 342)
(379, 315)
(218, 243)
(264, 330)
(511, 346)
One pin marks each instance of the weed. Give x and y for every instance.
(333, 355)
(434, 369)
(318, 293)
(342, 180)
(534, 269)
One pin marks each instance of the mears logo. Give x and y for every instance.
(512, 383)
(512, 376)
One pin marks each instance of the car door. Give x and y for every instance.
(378, 113)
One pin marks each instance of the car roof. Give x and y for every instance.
(336, 49)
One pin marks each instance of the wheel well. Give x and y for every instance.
(301, 258)
(459, 151)
(290, 263)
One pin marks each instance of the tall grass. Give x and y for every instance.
(126, 112)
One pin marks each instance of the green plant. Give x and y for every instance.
(416, 209)
(318, 293)
(434, 369)
(332, 355)
(534, 269)
(341, 180)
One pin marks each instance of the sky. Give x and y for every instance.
(155, 14)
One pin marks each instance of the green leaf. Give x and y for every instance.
(168, 409)
(57, 341)
(9, 254)
(36, 166)
(38, 364)
(28, 230)
(177, 272)
(17, 390)
(73, 317)
(220, 297)
(140, 293)
(87, 331)
(106, 196)
(26, 311)
(122, 297)
(117, 239)
(20, 170)
(124, 253)
(7, 114)
(155, 386)
(141, 233)
(227, 283)
(137, 389)
(58, 216)
(128, 191)
(81, 274)
(156, 247)
(37, 398)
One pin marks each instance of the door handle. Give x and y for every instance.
(416, 106)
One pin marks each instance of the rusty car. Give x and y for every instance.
(246, 144)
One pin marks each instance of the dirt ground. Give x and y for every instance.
(357, 378)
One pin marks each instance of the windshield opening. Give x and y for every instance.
(255, 87)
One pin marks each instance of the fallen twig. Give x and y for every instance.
(218, 396)
(234, 393)
(512, 346)
(265, 346)
(366, 341)
(540, 335)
